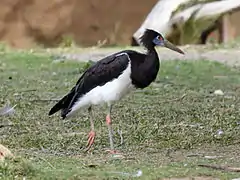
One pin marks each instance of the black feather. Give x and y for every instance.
(61, 103)
(99, 74)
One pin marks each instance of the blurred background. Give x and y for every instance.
(52, 23)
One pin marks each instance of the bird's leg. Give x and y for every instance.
(109, 124)
(91, 135)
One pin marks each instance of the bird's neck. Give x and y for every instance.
(144, 72)
(152, 61)
(152, 54)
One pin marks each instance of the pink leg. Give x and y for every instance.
(108, 120)
(109, 124)
(92, 134)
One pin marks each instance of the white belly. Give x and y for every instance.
(108, 93)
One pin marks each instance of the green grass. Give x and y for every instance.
(176, 116)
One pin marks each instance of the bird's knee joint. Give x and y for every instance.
(108, 120)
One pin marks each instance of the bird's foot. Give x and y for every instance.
(91, 138)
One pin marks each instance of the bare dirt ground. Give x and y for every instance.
(229, 56)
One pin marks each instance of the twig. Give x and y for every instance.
(194, 155)
(182, 125)
(230, 169)
(43, 100)
(28, 90)
(166, 101)
(121, 136)
(176, 99)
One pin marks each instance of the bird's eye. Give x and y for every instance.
(160, 38)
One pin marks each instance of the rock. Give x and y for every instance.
(4, 152)
(219, 92)
(27, 23)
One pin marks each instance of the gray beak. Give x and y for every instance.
(169, 45)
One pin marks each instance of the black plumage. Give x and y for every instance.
(99, 74)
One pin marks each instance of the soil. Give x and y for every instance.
(26, 23)
(227, 56)
(30, 23)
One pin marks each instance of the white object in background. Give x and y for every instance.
(159, 17)
(206, 10)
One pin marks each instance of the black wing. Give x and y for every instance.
(99, 74)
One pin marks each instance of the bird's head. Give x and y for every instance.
(151, 38)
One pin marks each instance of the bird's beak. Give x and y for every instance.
(169, 45)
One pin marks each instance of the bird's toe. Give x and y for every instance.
(91, 138)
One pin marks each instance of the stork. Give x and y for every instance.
(111, 78)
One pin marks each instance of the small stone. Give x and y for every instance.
(218, 92)
(211, 157)
(4, 152)
(118, 156)
(220, 132)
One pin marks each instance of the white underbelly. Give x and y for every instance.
(112, 91)
(109, 92)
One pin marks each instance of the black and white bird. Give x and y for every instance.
(111, 78)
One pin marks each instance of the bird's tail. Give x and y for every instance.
(58, 106)
(63, 104)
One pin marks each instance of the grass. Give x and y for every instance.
(178, 115)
